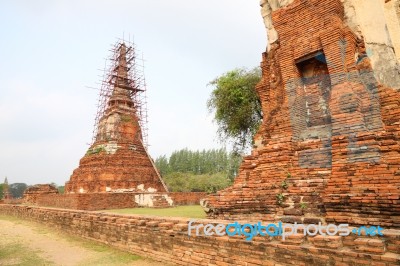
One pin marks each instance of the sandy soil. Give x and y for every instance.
(53, 246)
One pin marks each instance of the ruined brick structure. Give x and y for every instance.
(328, 148)
(118, 161)
(32, 193)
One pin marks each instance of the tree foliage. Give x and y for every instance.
(237, 106)
(1, 190)
(17, 189)
(206, 170)
(200, 162)
(187, 182)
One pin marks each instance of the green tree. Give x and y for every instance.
(17, 189)
(237, 106)
(1, 191)
(162, 165)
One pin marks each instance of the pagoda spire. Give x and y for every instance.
(121, 83)
(120, 121)
(6, 189)
(120, 79)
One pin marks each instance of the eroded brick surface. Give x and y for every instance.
(328, 146)
(32, 193)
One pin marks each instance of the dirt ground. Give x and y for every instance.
(27, 243)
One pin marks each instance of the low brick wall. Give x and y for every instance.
(166, 239)
(57, 201)
(187, 198)
(103, 201)
(89, 201)
(12, 201)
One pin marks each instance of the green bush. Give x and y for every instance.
(186, 182)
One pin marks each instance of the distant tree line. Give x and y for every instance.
(16, 190)
(206, 170)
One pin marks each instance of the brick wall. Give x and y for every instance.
(102, 201)
(166, 239)
(32, 192)
(187, 198)
(12, 201)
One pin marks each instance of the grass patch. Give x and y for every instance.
(190, 211)
(106, 255)
(15, 253)
(11, 219)
(114, 259)
(95, 246)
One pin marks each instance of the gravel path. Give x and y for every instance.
(54, 248)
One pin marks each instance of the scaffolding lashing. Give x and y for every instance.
(136, 86)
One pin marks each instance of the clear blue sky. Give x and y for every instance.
(51, 50)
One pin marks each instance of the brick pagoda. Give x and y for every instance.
(328, 148)
(118, 161)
